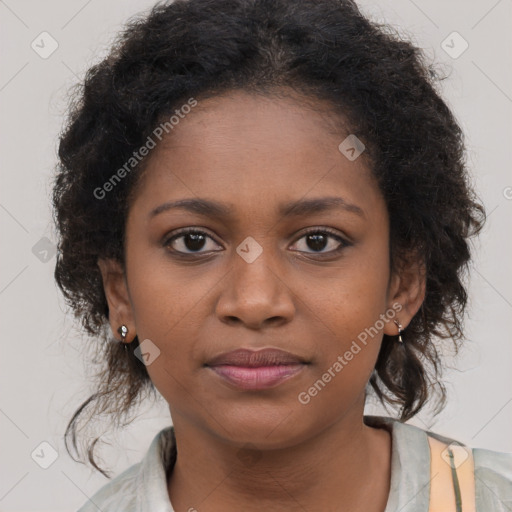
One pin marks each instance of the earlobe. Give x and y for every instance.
(116, 293)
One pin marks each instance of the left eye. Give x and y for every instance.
(320, 239)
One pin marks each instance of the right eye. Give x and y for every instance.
(187, 239)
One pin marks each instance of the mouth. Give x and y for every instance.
(260, 377)
(263, 369)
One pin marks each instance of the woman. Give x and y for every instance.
(267, 203)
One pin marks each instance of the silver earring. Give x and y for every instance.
(400, 330)
(123, 331)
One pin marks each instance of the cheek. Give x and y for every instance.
(350, 313)
(353, 297)
(167, 308)
(165, 296)
(346, 354)
(174, 327)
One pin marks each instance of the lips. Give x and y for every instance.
(256, 370)
(253, 359)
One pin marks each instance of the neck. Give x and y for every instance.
(346, 464)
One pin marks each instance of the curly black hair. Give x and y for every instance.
(379, 83)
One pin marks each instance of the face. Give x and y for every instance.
(256, 274)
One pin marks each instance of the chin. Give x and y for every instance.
(266, 431)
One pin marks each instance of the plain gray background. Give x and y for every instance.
(43, 371)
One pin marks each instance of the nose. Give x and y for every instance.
(255, 295)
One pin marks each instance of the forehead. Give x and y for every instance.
(255, 152)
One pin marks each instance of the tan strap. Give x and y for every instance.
(442, 485)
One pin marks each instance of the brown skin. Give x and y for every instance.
(255, 153)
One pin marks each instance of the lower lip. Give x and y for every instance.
(260, 377)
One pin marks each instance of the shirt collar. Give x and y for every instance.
(410, 465)
(152, 477)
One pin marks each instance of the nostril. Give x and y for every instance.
(276, 320)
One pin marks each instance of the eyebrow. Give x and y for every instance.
(300, 208)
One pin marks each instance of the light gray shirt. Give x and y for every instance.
(143, 486)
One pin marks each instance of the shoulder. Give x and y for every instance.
(411, 455)
(493, 479)
(118, 494)
(142, 486)
(490, 465)
(493, 476)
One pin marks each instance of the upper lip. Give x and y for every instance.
(251, 358)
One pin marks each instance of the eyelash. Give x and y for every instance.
(185, 231)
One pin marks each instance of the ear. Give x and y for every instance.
(407, 287)
(116, 292)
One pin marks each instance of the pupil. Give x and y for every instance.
(197, 241)
(318, 242)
